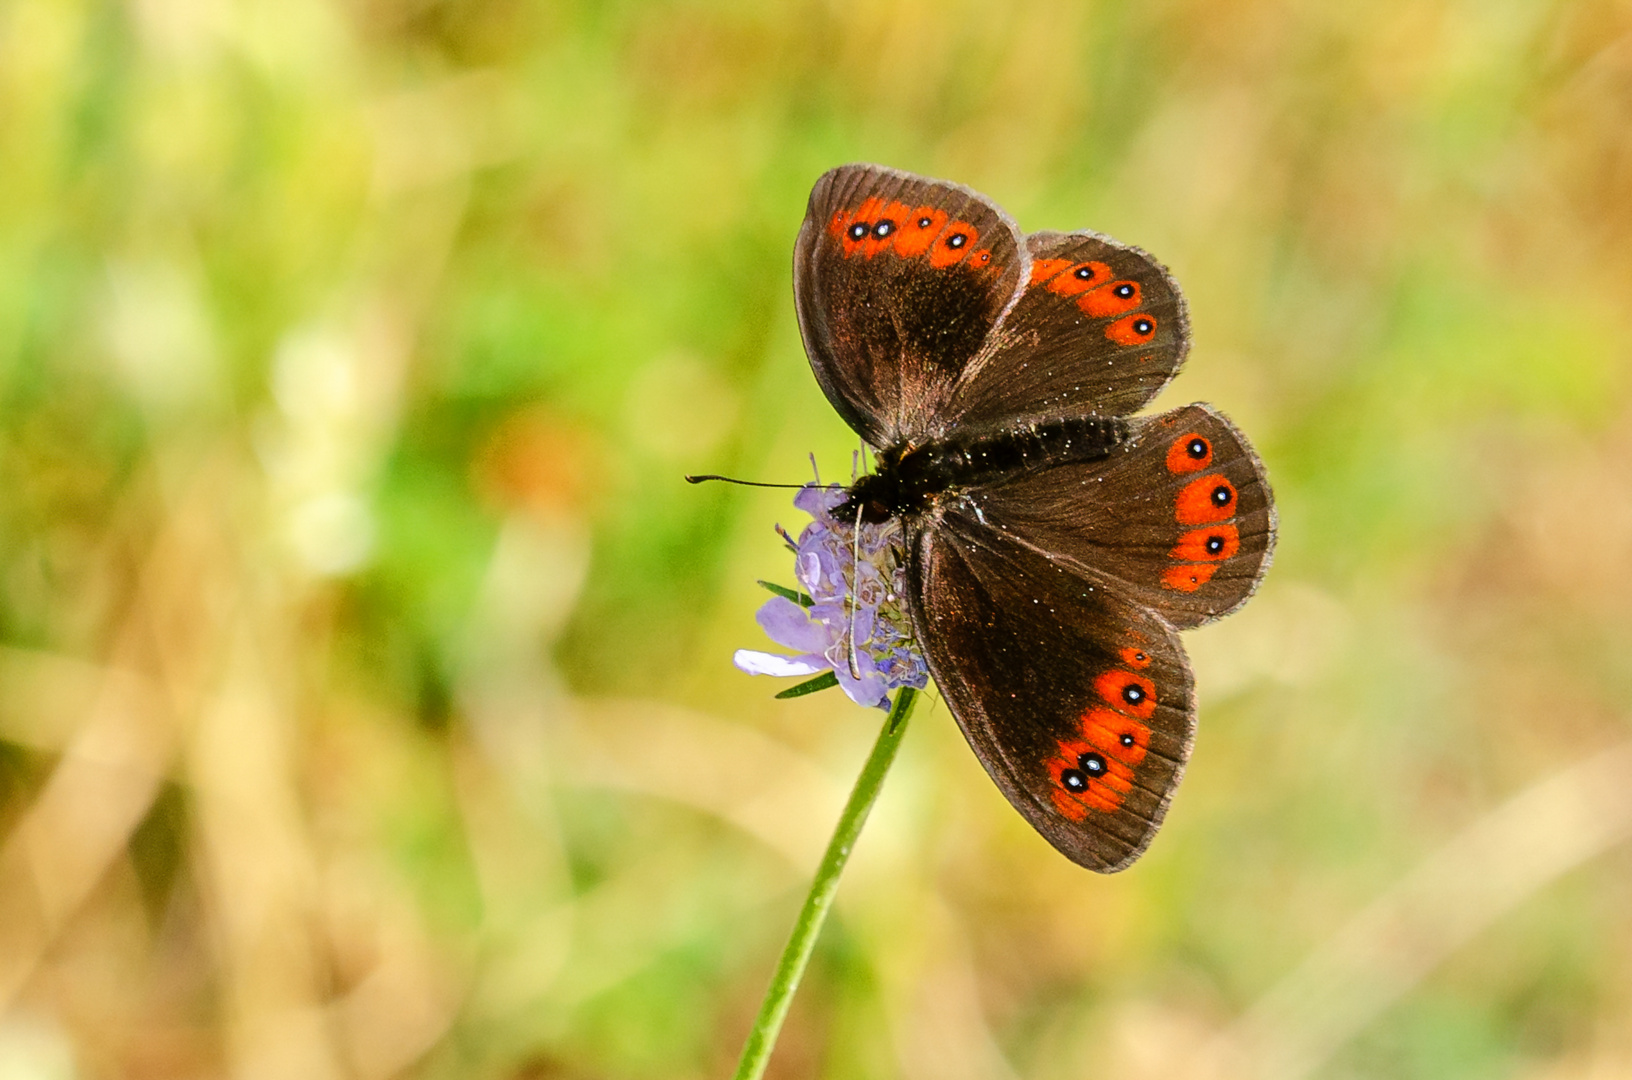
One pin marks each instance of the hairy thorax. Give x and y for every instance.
(911, 478)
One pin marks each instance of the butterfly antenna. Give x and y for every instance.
(733, 480)
(855, 583)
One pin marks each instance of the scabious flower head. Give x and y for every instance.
(869, 595)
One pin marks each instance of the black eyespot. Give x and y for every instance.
(1123, 290)
(1197, 448)
(1143, 326)
(1222, 495)
(858, 230)
(1126, 739)
(957, 240)
(1092, 764)
(1133, 693)
(883, 229)
(1215, 544)
(924, 222)
(1084, 272)
(1141, 657)
(1074, 780)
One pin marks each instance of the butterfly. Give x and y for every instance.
(1055, 543)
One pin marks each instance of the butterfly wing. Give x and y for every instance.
(898, 281)
(1179, 519)
(1078, 702)
(1100, 327)
(1046, 603)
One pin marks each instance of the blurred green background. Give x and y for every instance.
(366, 706)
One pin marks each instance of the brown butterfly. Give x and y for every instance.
(1055, 544)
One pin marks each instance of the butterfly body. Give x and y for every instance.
(911, 479)
(1055, 542)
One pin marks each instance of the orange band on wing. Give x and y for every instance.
(1132, 330)
(1213, 544)
(1188, 577)
(1108, 300)
(1122, 737)
(1182, 456)
(952, 245)
(865, 216)
(892, 218)
(1127, 692)
(1046, 269)
(1071, 807)
(1205, 499)
(1104, 792)
(1080, 278)
(923, 225)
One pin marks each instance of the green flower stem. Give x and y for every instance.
(796, 954)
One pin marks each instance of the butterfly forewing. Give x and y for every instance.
(898, 282)
(1078, 702)
(1099, 328)
(1179, 518)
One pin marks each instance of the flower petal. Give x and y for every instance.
(790, 625)
(807, 567)
(817, 501)
(764, 663)
(870, 688)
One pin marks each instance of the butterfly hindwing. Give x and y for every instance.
(1100, 328)
(1179, 519)
(1079, 703)
(898, 281)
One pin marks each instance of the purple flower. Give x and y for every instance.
(868, 601)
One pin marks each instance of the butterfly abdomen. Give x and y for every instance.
(910, 478)
(1037, 445)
